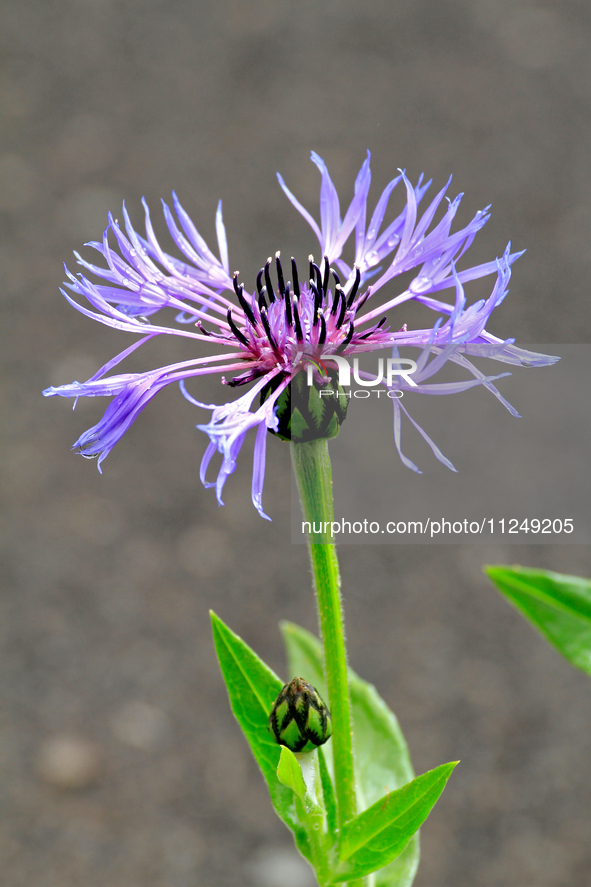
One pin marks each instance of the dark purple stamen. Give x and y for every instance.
(342, 312)
(374, 329)
(347, 339)
(280, 280)
(311, 267)
(268, 284)
(362, 300)
(297, 324)
(239, 290)
(265, 322)
(260, 280)
(243, 379)
(318, 286)
(338, 295)
(317, 301)
(326, 273)
(246, 308)
(288, 303)
(294, 274)
(355, 287)
(235, 329)
(316, 276)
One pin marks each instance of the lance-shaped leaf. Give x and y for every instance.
(375, 837)
(289, 773)
(402, 870)
(328, 793)
(252, 688)
(382, 761)
(559, 606)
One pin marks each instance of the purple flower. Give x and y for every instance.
(284, 326)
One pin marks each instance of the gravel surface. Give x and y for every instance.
(122, 766)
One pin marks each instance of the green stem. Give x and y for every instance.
(311, 810)
(312, 469)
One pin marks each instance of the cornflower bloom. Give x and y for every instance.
(270, 334)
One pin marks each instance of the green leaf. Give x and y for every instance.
(559, 606)
(375, 837)
(382, 761)
(330, 801)
(289, 773)
(252, 688)
(403, 869)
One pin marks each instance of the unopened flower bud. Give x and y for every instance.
(299, 718)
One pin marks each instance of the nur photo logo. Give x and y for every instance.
(397, 369)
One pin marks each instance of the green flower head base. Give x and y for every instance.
(299, 719)
(303, 413)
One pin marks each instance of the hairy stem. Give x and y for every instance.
(312, 469)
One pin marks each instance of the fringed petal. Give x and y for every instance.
(258, 469)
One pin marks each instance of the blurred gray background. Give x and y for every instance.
(121, 763)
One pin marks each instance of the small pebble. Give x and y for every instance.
(69, 763)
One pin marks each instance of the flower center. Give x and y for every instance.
(288, 325)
